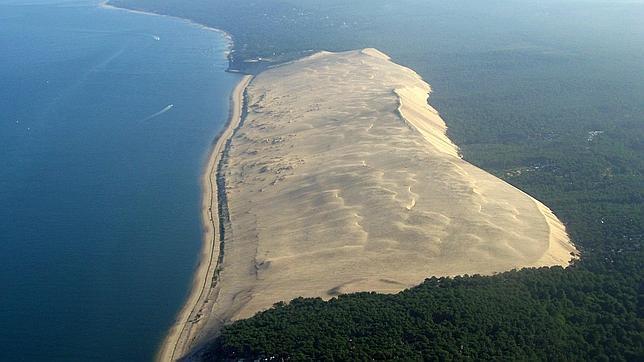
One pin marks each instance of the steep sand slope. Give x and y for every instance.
(342, 179)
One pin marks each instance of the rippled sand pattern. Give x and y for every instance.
(342, 179)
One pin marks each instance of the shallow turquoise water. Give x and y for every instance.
(99, 186)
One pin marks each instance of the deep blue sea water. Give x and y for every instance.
(100, 223)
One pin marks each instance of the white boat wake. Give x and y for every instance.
(167, 108)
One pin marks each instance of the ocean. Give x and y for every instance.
(106, 121)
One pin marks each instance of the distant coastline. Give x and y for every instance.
(106, 4)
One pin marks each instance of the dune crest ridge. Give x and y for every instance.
(341, 178)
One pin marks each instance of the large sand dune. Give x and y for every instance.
(342, 179)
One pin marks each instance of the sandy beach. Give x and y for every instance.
(190, 321)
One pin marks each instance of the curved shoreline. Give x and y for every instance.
(188, 324)
(229, 39)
